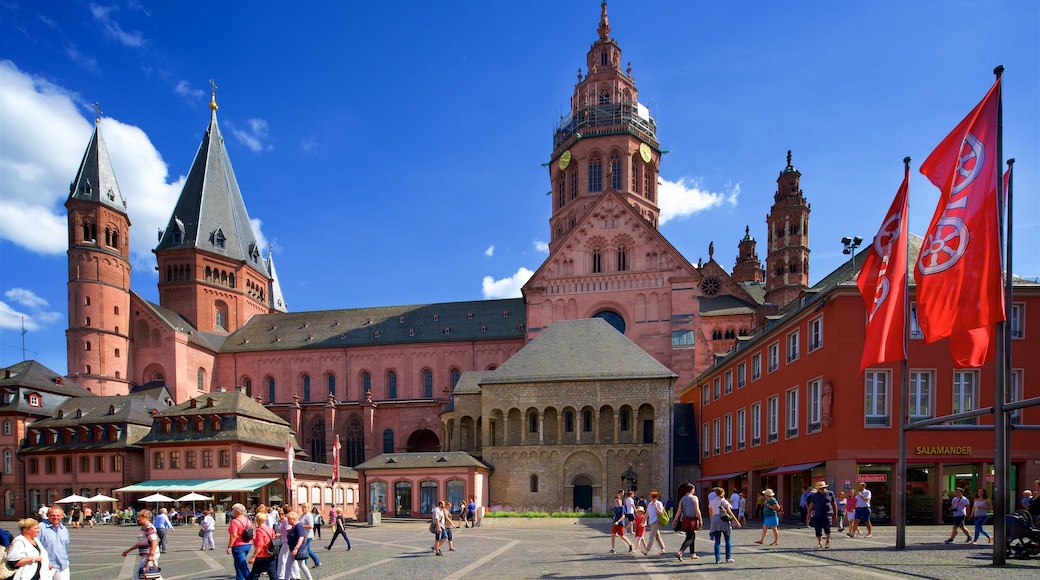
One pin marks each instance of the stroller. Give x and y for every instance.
(1023, 538)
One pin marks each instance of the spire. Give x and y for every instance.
(604, 24)
(210, 213)
(213, 96)
(275, 291)
(96, 181)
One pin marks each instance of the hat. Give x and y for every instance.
(640, 509)
(768, 492)
(821, 484)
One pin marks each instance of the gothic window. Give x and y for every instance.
(332, 384)
(427, 381)
(636, 173)
(596, 173)
(200, 378)
(615, 171)
(270, 390)
(622, 259)
(455, 375)
(366, 382)
(648, 182)
(561, 191)
(220, 316)
(355, 444)
(391, 385)
(388, 441)
(604, 95)
(306, 387)
(597, 262)
(318, 441)
(574, 184)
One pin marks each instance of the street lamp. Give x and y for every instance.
(851, 243)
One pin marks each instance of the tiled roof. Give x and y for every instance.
(579, 350)
(241, 419)
(382, 325)
(20, 379)
(430, 459)
(262, 466)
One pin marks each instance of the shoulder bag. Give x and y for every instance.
(662, 515)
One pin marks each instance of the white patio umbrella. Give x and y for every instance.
(156, 498)
(194, 497)
(74, 498)
(101, 498)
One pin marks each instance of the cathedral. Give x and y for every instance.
(383, 380)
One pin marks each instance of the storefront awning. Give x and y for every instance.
(187, 485)
(721, 477)
(788, 469)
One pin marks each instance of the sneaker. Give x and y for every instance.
(613, 552)
(730, 560)
(451, 549)
(950, 541)
(968, 540)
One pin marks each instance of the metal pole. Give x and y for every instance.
(899, 509)
(1001, 456)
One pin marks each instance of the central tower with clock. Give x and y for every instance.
(608, 141)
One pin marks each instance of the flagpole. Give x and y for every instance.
(1001, 445)
(899, 509)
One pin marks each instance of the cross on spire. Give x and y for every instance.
(97, 113)
(213, 95)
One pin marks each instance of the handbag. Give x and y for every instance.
(151, 572)
(691, 524)
(301, 555)
(726, 517)
(662, 516)
(433, 526)
(202, 533)
(6, 570)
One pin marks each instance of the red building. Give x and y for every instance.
(789, 407)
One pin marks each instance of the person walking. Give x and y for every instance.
(980, 514)
(262, 558)
(689, 516)
(240, 540)
(206, 526)
(449, 524)
(842, 502)
(88, 515)
(862, 512)
(959, 505)
(55, 537)
(742, 509)
(654, 509)
(824, 506)
(771, 512)
(437, 527)
(471, 513)
(640, 529)
(722, 522)
(307, 521)
(318, 521)
(617, 525)
(27, 554)
(286, 564)
(163, 526)
(630, 510)
(147, 545)
(296, 541)
(339, 523)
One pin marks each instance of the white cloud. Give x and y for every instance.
(44, 136)
(33, 313)
(679, 199)
(506, 287)
(490, 251)
(185, 89)
(101, 14)
(255, 137)
(540, 246)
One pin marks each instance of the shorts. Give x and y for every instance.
(630, 517)
(863, 514)
(958, 521)
(439, 535)
(617, 530)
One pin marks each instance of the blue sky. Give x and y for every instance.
(391, 153)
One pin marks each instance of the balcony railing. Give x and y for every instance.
(608, 119)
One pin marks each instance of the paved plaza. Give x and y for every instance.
(563, 549)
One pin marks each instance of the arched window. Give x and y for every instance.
(388, 441)
(568, 421)
(596, 173)
(318, 441)
(270, 390)
(615, 171)
(625, 420)
(220, 316)
(561, 191)
(306, 380)
(597, 261)
(586, 421)
(427, 382)
(637, 178)
(201, 379)
(332, 384)
(247, 384)
(391, 385)
(366, 382)
(532, 423)
(355, 441)
(534, 484)
(622, 258)
(574, 184)
(455, 374)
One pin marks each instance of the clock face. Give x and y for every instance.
(565, 159)
(644, 152)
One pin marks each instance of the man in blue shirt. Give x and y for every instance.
(55, 539)
(163, 526)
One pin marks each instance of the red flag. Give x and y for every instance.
(882, 283)
(335, 462)
(958, 274)
(290, 478)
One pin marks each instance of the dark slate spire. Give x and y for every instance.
(95, 181)
(275, 290)
(210, 214)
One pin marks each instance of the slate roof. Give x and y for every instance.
(96, 181)
(724, 305)
(208, 340)
(584, 349)
(28, 376)
(469, 382)
(426, 459)
(241, 419)
(382, 325)
(271, 467)
(210, 214)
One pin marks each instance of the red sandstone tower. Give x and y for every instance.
(97, 338)
(747, 268)
(607, 141)
(787, 263)
(210, 268)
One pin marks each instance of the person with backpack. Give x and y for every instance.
(263, 556)
(240, 540)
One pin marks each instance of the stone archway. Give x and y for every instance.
(423, 440)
